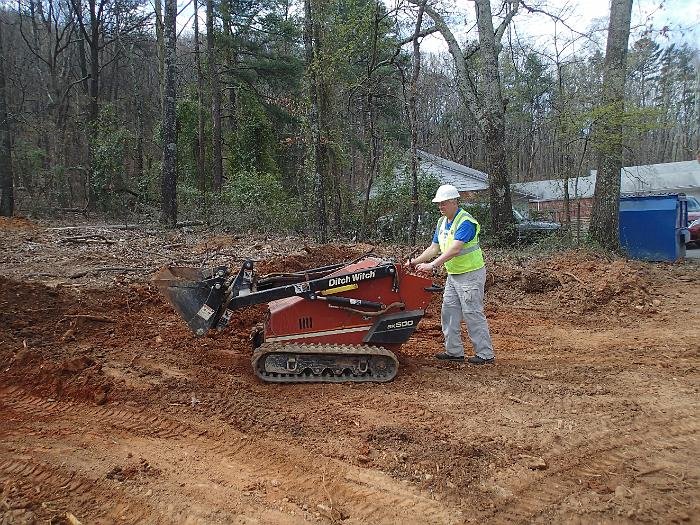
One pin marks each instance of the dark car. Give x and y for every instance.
(529, 230)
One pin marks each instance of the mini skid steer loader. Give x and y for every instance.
(337, 323)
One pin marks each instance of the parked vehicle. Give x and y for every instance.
(694, 228)
(529, 230)
(693, 208)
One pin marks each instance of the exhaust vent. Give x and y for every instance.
(305, 323)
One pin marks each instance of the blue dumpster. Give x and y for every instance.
(654, 227)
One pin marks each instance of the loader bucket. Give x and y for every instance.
(195, 294)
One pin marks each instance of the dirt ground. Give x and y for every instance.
(111, 411)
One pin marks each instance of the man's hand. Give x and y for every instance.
(408, 264)
(426, 268)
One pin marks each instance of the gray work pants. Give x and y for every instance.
(464, 298)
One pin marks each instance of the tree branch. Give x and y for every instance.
(466, 84)
(498, 34)
(421, 34)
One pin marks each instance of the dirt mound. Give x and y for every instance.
(314, 257)
(38, 346)
(574, 282)
(89, 344)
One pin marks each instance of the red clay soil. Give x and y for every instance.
(111, 411)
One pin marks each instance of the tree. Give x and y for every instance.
(604, 227)
(217, 159)
(169, 176)
(102, 23)
(201, 148)
(315, 147)
(7, 201)
(412, 118)
(484, 100)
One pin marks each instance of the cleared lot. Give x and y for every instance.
(110, 410)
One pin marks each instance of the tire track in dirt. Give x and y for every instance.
(397, 408)
(135, 422)
(318, 479)
(555, 486)
(88, 497)
(96, 501)
(358, 492)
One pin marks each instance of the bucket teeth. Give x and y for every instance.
(313, 363)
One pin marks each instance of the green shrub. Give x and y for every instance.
(391, 209)
(256, 200)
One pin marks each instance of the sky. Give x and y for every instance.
(681, 16)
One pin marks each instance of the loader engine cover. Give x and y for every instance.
(400, 298)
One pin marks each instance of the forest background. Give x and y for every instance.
(279, 115)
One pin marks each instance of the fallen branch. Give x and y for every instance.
(88, 239)
(65, 228)
(518, 400)
(650, 471)
(101, 227)
(185, 224)
(72, 519)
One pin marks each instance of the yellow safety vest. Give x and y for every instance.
(470, 258)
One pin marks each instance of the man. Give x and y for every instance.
(456, 243)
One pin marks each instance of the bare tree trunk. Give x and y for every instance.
(413, 120)
(217, 160)
(697, 106)
(315, 147)
(94, 82)
(493, 123)
(160, 44)
(229, 98)
(604, 227)
(7, 195)
(373, 160)
(169, 176)
(373, 142)
(201, 155)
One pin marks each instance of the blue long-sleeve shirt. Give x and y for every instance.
(465, 232)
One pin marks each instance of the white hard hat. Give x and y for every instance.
(446, 192)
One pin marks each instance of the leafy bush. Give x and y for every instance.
(257, 200)
(108, 143)
(391, 209)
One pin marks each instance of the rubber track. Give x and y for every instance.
(327, 350)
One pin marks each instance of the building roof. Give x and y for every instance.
(461, 177)
(668, 177)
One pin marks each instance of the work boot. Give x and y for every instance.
(476, 360)
(448, 357)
